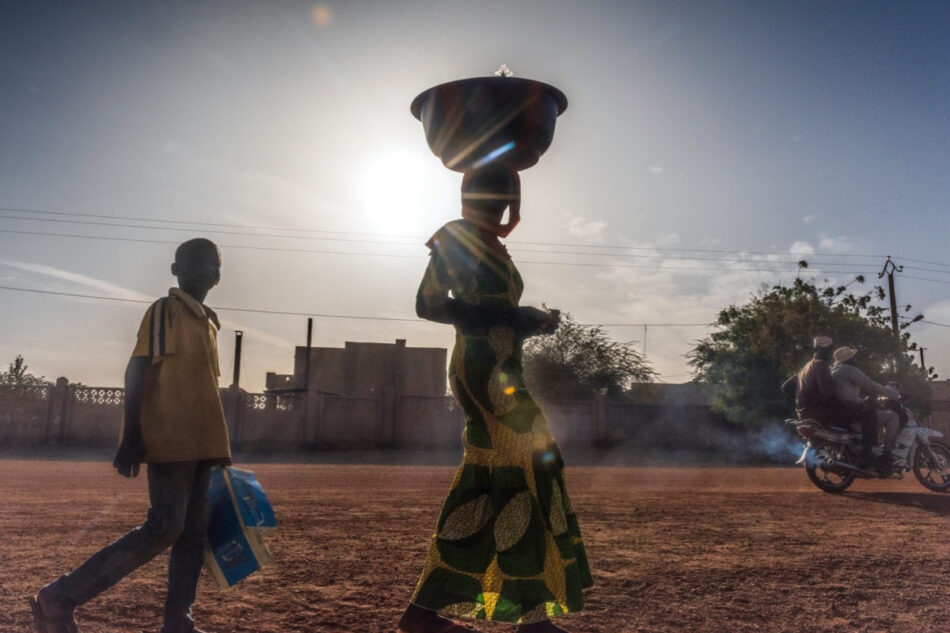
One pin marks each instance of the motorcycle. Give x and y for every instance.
(831, 454)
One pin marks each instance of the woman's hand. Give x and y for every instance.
(532, 321)
(554, 323)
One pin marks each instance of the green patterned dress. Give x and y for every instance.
(508, 545)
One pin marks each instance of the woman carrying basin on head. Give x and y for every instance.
(507, 545)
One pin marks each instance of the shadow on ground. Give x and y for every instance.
(930, 501)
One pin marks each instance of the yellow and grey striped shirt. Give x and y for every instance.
(182, 417)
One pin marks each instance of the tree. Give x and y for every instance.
(769, 338)
(579, 361)
(17, 374)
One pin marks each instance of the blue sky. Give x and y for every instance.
(728, 139)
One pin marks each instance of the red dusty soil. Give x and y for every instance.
(673, 549)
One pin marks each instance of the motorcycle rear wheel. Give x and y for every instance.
(928, 473)
(829, 480)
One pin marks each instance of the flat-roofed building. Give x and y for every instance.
(365, 370)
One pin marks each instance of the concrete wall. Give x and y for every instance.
(93, 416)
(24, 414)
(429, 422)
(73, 415)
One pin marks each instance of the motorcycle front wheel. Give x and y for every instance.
(933, 469)
(829, 479)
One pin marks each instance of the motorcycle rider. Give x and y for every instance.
(813, 386)
(848, 406)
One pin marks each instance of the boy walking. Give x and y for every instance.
(175, 424)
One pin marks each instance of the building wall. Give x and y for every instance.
(940, 406)
(326, 369)
(361, 370)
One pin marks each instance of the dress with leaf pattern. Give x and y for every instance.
(508, 544)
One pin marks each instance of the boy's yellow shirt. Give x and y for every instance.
(182, 417)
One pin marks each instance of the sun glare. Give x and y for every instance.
(392, 193)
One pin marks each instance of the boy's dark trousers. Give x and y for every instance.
(178, 517)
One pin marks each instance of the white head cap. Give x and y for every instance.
(844, 354)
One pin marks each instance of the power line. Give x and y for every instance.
(237, 246)
(775, 268)
(720, 269)
(922, 261)
(421, 256)
(934, 323)
(220, 231)
(939, 281)
(221, 308)
(651, 324)
(755, 260)
(930, 270)
(417, 241)
(306, 314)
(415, 238)
(190, 222)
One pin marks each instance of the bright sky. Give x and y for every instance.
(719, 141)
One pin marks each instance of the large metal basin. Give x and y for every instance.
(471, 122)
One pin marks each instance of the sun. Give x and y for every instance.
(406, 192)
(393, 192)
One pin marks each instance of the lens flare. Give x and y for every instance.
(495, 153)
(322, 15)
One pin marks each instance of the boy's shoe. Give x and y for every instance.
(52, 614)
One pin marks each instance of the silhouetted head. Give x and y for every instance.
(845, 355)
(487, 192)
(197, 266)
(823, 347)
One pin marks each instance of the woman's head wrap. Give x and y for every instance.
(486, 192)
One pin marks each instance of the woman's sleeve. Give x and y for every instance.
(434, 281)
(455, 254)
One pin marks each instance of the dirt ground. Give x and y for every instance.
(672, 549)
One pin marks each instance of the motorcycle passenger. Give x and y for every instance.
(849, 383)
(813, 386)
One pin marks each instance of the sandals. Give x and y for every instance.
(46, 624)
(449, 626)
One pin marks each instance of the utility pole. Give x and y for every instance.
(922, 365)
(306, 371)
(889, 269)
(304, 394)
(238, 337)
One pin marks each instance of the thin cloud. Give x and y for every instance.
(667, 240)
(656, 169)
(102, 285)
(586, 228)
(120, 292)
(801, 248)
(834, 244)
